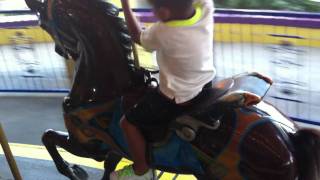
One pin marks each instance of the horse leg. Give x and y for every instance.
(51, 139)
(110, 164)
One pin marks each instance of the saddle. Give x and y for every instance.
(239, 91)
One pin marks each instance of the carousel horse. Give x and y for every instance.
(229, 133)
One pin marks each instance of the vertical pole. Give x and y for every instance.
(70, 64)
(135, 52)
(7, 152)
(135, 55)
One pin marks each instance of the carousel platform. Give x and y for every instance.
(35, 169)
(24, 119)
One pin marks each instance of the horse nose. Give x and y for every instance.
(34, 5)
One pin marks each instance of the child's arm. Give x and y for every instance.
(132, 22)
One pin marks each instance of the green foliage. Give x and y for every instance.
(291, 5)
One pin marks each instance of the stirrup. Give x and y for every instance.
(189, 126)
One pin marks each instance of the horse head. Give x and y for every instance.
(97, 39)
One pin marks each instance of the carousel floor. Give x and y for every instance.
(24, 119)
(32, 169)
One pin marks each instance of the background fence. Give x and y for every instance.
(283, 45)
(28, 62)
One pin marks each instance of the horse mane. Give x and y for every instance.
(92, 32)
(307, 150)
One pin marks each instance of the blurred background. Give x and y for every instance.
(280, 38)
(249, 35)
(292, 5)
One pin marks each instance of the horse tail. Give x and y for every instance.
(307, 151)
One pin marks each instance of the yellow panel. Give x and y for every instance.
(223, 33)
(246, 33)
(314, 34)
(35, 34)
(257, 34)
(314, 43)
(293, 31)
(280, 30)
(236, 34)
(257, 29)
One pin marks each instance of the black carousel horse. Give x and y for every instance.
(230, 133)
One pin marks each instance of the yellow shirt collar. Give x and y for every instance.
(187, 22)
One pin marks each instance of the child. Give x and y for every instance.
(183, 41)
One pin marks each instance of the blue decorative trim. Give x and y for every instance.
(311, 122)
(287, 99)
(286, 36)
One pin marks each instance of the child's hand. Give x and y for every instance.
(125, 5)
(266, 78)
(132, 22)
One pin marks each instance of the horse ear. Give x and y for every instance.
(34, 5)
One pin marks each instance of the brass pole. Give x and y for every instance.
(135, 52)
(70, 64)
(135, 55)
(7, 152)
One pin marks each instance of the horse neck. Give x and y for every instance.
(104, 46)
(88, 85)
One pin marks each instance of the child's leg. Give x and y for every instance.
(152, 112)
(137, 146)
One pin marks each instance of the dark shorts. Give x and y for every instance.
(156, 111)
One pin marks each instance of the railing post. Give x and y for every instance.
(7, 152)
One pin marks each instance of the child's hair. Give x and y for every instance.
(173, 4)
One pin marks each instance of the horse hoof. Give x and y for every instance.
(74, 172)
(79, 173)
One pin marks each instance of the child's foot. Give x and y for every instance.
(127, 173)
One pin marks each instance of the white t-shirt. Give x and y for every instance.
(184, 51)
